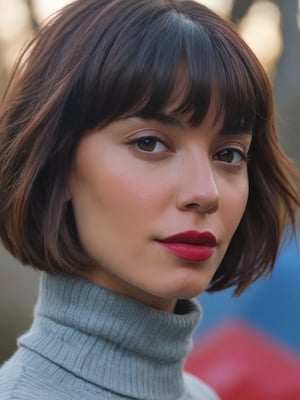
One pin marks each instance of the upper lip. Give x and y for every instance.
(192, 237)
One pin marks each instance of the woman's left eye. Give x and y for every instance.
(150, 144)
(232, 156)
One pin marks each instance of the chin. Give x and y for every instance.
(184, 291)
(191, 293)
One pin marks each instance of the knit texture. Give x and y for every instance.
(89, 343)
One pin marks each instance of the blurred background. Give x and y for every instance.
(246, 348)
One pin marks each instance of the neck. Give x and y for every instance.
(105, 280)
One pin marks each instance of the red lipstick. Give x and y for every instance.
(190, 245)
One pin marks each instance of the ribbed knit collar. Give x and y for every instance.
(112, 341)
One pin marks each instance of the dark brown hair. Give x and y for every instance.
(95, 62)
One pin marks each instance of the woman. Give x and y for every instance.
(139, 167)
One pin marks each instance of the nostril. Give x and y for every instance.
(203, 207)
(192, 205)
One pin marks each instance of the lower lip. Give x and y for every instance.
(189, 252)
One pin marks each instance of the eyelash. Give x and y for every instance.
(230, 150)
(155, 141)
(138, 141)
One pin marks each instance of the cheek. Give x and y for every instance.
(133, 188)
(115, 192)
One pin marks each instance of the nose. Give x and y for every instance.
(198, 187)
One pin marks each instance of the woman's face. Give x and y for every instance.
(136, 183)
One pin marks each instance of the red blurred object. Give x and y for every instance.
(242, 363)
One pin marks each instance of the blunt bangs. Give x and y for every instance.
(138, 72)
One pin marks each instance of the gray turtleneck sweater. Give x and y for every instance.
(87, 343)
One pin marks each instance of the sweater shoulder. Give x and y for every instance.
(11, 376)
(197, 389)
(36, 378)
(19, 381)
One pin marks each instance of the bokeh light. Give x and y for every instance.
(222, 7)
(261, 30)
(44, 8)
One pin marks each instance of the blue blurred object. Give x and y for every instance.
(270, 304)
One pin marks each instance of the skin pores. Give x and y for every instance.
(136, 182)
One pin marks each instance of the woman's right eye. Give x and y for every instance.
(149, 144)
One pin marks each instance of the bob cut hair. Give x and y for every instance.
(97, 61)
